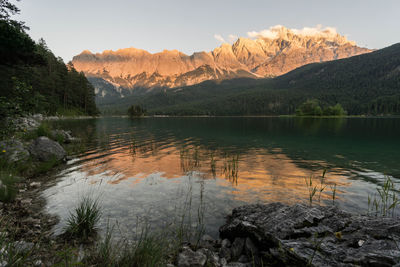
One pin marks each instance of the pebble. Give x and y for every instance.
(35, 184)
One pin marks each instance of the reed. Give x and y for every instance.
(385, 202)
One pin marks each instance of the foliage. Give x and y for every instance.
(309, 108)
(387, 200)
(44, 130)
(136, 111)
(336, 110)
(82, 223)
(312, 108)
(10, 255)
(8, 190)
(43, 167)
(32, 78)
(150, 249)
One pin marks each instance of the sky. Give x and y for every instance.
(71, 26)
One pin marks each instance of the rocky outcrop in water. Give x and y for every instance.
(63, 136)
(299, 235)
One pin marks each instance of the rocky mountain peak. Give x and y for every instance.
(267, 53)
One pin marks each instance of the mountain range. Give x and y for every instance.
(367, 84)
(132, 71)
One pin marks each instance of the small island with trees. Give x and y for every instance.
(312, 108)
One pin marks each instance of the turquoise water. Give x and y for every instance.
(148, 169)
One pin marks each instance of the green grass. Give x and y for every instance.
(386, 201)
(82, 222)
(44, 129)
(70, 112)
(8, 190)
(151, 248)
(9, 252)
(43, 167)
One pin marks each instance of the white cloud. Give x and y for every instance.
(232, 38)
(219, 38)
(276, 31)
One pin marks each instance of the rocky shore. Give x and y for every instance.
(299, 235)
(253, 235)
(25, 227)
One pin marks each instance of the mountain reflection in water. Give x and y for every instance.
(143, 168)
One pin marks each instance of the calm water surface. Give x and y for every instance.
(150, 168)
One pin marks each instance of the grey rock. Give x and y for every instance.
(207, 242)
(223, 261)
(3, 263)
(237, 264)
(45, 149)
(243, 259)
(81, 253)
(189, 258)
(35, 184)
(237, 247)
(13, 151)
(64, 135)
(22, 246)
(225, 253)
(292, 235)
(38, 117)
(226, 243)
(250, 248)
(26, 123)
(213, 260)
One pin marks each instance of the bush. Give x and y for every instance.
(309, 108)
(82, 224)
(312, 108)
(44, 130)
(336, 110)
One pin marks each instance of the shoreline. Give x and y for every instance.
(31, 228)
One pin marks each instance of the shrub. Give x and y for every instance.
(82, 223)
(309, 108)
(44, 130)
(43, 167)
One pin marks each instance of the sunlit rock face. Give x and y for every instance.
(268, 53)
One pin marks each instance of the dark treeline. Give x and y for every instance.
(368, 84)
(33, 79)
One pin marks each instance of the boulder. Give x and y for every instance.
(300, 235)
(207, 242)
(26, 123)
(237, 247)
(13, 151)
(64, 135)
(23, 247)
(44, 149)
(189, 258)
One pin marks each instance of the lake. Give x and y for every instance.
(150, 170)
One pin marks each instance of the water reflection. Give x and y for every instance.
(143, 168)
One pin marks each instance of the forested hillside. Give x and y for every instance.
(367, 84)
(33, 79)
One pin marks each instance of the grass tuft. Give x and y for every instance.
(8, 191)
(82, 223)
(387, 200)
